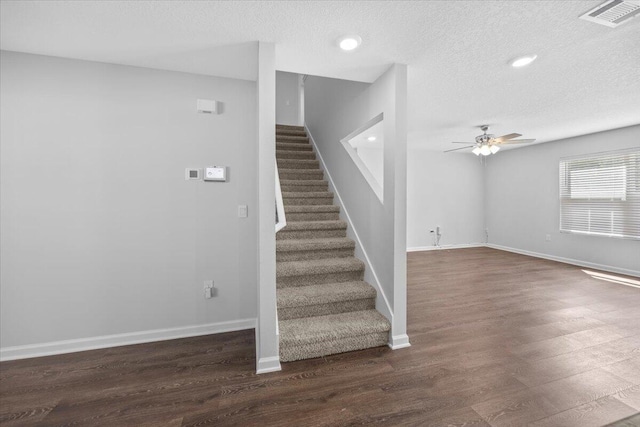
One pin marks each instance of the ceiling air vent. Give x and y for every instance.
(613, 12)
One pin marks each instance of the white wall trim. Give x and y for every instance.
(106, 341)
(572, 261)
(268, 364)
(399, 341)
(384, 307)
(437, 248)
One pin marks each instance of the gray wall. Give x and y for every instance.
(522, 201)
(333, 109)
(446, 190)
(287, 98)
(100, 232)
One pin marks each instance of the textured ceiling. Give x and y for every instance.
(586, 78)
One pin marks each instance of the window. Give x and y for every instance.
(600, 194)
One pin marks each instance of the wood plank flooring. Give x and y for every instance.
(498, 339)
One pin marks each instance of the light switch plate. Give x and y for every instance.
(215, 173)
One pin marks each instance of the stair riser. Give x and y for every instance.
(283, 146)
(317, 279)
(325, 309)
(306, 201)
(290, 353)
(292, 135)
(319, 216)
(301, 188)
(289, 128)
(313, 175)
(311, 255)
(298, 164)
(302, 155)
(311, 234)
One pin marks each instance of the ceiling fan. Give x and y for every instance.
(487, 144)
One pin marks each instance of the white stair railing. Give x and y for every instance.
(281, 220)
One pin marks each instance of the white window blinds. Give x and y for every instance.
(600, 194)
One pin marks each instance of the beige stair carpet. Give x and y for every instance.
(324, 305)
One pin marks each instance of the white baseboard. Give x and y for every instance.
(437, 248)
(383, 306)
(577, 262)
(268, 364)
(106, 341)
(399, 341)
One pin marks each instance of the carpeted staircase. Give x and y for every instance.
(324, 306)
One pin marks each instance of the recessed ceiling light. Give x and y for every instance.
(371, 138)
(349, 42)
(523, 60)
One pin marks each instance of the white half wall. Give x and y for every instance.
(287, 99)
(446, 190)
(101, 235)
(522, 202)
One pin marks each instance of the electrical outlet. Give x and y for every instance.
(548, 237)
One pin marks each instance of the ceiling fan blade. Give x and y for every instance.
(503, 138)
(456, 149)
(462, 142)
(518, 141)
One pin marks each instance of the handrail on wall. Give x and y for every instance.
(281, 220)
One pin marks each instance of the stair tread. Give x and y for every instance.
(315, 225)
(314, 244)
(303, 183)
(324, 294)
(290, 138)
(301, 148)
(303, 171)
(320, 329)
(293, 161)
(318, 266)
(310, 208)
(294, 127)
(306, 194)
(301, 155)
(295, 152)
(291, 132)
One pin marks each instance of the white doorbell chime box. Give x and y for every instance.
(208, 106)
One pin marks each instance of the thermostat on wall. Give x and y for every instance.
(215, 173)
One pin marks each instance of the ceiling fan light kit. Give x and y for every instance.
(487, 144)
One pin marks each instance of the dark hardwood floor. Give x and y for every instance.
(497, 339)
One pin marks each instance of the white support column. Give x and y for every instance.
(399, 338)
(267, 350)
